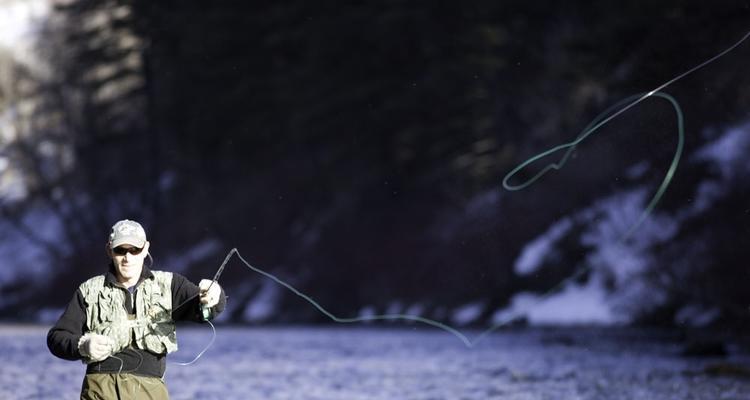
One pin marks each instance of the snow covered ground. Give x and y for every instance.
(369, 362)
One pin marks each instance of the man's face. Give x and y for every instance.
(128, 261)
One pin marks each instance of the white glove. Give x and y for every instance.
(95, 347)
(210, 292)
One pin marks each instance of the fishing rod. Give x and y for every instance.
(205, 309)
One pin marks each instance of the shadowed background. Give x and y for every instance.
(357, 151)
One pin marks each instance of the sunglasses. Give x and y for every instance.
(121, 251)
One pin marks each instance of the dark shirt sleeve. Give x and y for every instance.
(63, 337)
(186, 300)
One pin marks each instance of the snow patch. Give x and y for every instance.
(619, 212)
(394, 307)
(534, 253)
(366, 312)
(706, 195)
(729, 152)
(196, 253)
(575, 305)
(264, 304)
(415, 310)
(638, 170)
(696, 315)
(467, 313)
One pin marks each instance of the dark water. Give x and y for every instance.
(376, 363)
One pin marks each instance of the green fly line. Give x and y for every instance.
(602, 119)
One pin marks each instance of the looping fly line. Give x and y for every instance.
(602, 119)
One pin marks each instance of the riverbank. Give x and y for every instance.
(367, 362)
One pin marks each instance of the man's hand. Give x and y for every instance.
(210, 292)
(95, 347)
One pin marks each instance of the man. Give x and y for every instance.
(122, 323)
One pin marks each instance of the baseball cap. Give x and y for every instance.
(127, 232)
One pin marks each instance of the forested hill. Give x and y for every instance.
(358, 151)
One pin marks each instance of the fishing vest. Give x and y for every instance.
(150, 328)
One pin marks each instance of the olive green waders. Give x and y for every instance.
(123, 387)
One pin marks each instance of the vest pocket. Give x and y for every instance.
(105, 306)
(160, 309)
(160, 337)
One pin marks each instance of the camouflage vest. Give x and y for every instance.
(151, 328)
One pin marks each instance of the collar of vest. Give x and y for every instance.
(110, 278)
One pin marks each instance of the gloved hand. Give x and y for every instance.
(95, 347)
(210, 292)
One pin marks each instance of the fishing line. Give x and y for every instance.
(598, 122)
(210, 343)
(605, 117)
(124, 374)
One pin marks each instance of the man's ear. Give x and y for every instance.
(108, 250)
(146, 246)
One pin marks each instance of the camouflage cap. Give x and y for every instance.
(127, 232)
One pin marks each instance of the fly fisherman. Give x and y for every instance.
(122, 323)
